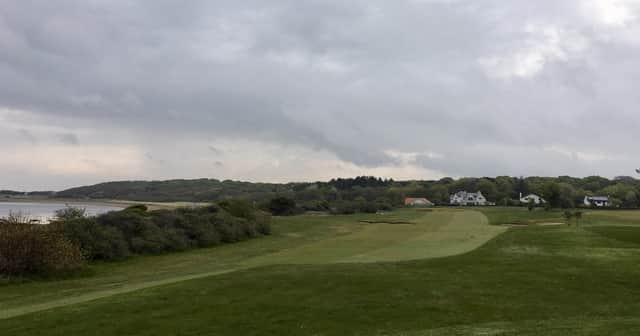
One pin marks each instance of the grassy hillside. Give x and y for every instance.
(175, 190)
(537, 280)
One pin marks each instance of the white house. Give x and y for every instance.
(532, 198)
(597, 201)
(467, 198)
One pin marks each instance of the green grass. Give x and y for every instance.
(527, 281)
(620, 233)
(296, 240)
(612, 217)
(520, 215)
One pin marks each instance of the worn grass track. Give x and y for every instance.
(99, 294)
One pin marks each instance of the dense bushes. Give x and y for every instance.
(31, 249)
(282, 206)
(66, 243)
(135, 230)
(97, 241)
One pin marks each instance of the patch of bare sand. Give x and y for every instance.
(341, 229)
(294, 235)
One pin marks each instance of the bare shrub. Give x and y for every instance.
(30, 249)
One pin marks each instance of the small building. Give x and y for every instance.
(537, 200)
(597, 201)
(467, 198)
(417, 202)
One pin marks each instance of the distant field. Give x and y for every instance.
(338, 276)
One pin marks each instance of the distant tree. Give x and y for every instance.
(531, 204)
(505, 187)
(568, 215)
(559, 195)
(578, 216)
(70, 212)
(282, 206)
(630, 199)
(488, 189)
(439, 194)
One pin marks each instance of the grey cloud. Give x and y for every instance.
(26, 134)
(68, 139)
(353, 78)
(154, 159)
(214, 150)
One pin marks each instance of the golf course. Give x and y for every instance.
(444, 271)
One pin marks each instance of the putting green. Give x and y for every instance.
(434, 234)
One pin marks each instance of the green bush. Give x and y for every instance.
(239, 208)
(98, 242)
(368, 207)
(344, 208)
(69, 213)
(135, 230)
(282, 206)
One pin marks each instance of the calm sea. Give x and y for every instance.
(45, 211)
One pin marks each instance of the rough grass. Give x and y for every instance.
(530, 281)
(520, 215)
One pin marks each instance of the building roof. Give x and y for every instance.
(409, 200)
(465, 193)
(598, 198)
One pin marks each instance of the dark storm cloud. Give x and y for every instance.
(484, 82)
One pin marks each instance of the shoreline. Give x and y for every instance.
(109, 203)
(64, 201)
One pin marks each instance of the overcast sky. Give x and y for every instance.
(293, 90)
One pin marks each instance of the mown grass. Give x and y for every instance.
(528, 281)
(296, 240)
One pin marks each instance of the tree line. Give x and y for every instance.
(367, 193)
